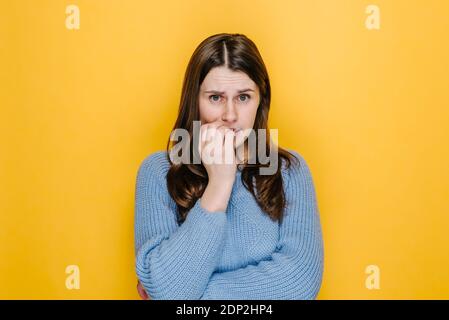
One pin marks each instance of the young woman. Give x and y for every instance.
(222, 230)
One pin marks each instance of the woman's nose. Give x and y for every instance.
(230, 114)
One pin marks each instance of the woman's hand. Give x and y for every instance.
(217, 144)
(142, 293)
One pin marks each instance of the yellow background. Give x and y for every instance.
(80, 109)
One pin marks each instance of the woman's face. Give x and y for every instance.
(229, 97)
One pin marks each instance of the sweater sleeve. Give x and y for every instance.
(294, 270)
(172, 262)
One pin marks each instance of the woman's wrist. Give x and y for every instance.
(216, 196)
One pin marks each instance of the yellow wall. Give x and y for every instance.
(80, 109)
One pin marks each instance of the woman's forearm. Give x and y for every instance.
(216, 196)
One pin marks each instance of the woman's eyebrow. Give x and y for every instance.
(222, 92)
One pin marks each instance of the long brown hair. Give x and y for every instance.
(187, 182)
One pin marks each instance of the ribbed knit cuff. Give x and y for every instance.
(217, 218)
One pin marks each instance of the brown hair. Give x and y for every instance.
(187, 182)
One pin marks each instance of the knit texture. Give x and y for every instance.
(238, 254)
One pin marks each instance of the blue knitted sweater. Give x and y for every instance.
(237, 254)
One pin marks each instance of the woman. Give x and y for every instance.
(222, 230)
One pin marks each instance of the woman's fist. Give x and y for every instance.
(142, 293)
(217, 150)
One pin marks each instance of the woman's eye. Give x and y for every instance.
(214, 98)
(245, 96)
